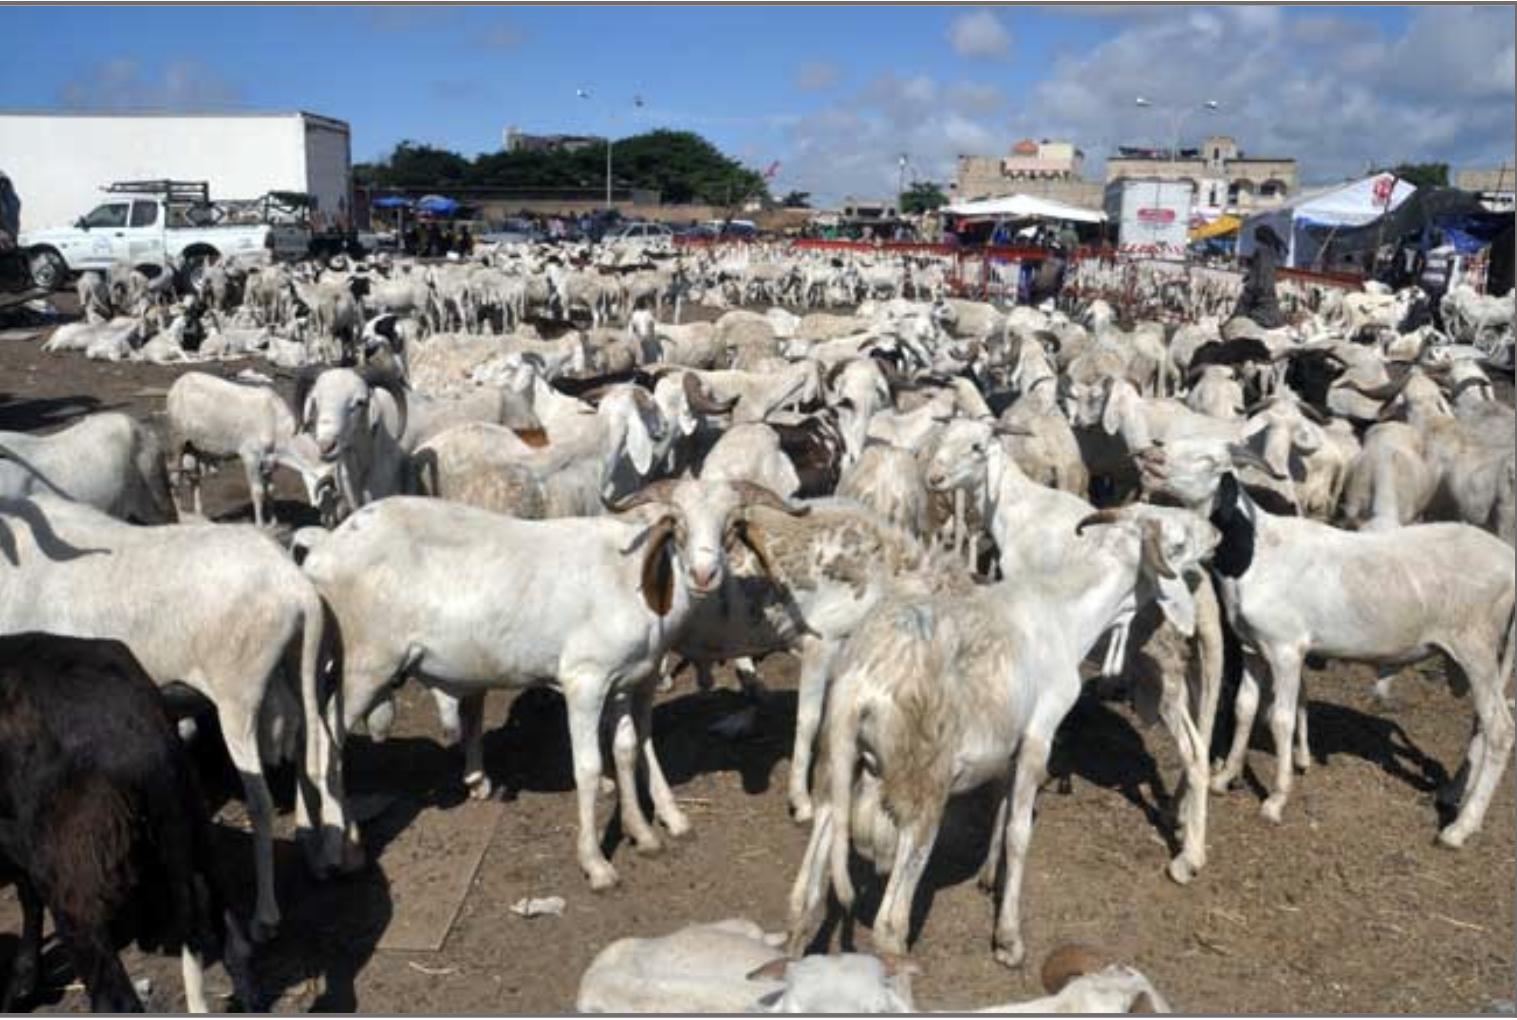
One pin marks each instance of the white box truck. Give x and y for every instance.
(1152, 215)
(59, 161)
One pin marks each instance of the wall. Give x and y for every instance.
(59, 162)
(328, 168)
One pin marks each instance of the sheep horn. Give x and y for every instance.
(1312, 414)
(1068, 962)
(388, 378)
(1110, 515)
(1010, 430)
(753, 494)
(658, 492)
(1244, 456)
(1153, 552)
(699, 400)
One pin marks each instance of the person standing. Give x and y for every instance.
(1259, 301)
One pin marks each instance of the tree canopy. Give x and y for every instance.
(922, 196)
(681, 165)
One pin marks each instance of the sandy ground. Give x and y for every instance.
(1347, 906)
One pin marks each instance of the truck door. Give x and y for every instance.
(144, 234)
(104, 237)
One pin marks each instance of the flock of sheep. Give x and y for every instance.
(952, 513)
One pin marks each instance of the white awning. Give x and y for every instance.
(1024, 207)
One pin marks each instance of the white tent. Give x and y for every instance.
(1345, 205)
(1023, 207)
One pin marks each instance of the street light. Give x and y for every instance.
(636, 101)
(900, 185)
(1177, 116)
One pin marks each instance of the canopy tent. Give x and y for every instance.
(436, 205)
(1022, 207)
(1222, 226)
(1307, 221)
(1419, 223)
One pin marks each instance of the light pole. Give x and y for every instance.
(1177, 116)
(900, 185)
(636, 101)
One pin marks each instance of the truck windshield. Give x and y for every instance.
(112, 214)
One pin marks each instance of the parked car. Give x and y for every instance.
(512, 232)
(642, 235)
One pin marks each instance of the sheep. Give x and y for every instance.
(1216, 393)
(590, 604)
(1292, 588)
(119, 334)
(1033, 528)
(94, 297)
(938, 696)
(357, 417)
(104, 821)
(214, 418)
(170, 593)
(889, 481)
(108, 461)
(732, 966)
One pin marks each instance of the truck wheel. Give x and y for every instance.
(49, 271)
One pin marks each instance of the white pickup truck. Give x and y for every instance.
(177, 228)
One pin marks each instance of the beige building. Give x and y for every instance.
(1496, 186)
(1045, 169)
(1221, 174)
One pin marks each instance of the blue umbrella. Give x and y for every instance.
(391, 202)
(437, 205)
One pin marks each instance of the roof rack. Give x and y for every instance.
(194, 192)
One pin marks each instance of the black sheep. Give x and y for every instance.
(102, 822)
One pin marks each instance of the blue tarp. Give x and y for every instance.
(391, 202)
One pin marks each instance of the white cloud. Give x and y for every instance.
(121, 83)
(1339, 93)
(979, 34)
(816, 75)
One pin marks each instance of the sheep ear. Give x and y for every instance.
(1177, 604)
(774, 970)
(639, 444)
(752, 538)
(1111, 420)
(658, 568)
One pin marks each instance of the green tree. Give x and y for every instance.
(922, 196)
(1422, 175)
(797, 200)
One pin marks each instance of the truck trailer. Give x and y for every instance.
(1152, 215)
(58, 161)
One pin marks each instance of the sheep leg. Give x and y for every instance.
(471, 720)
(1245, 707)
(665, 808)
(449, 716)
(241, 732)
(1031, 769)
(1489, 748)
(811, 699)
(913, 849)
(1174, 711)
(1302, 753)
(1209, 664)
(810, 880)
(22, 984)
(252, 467)
(92, 952)
(624, 755)
(192, 967)
(1285, 677)
(992, 865)
(585, 694)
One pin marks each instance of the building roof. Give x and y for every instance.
(166, 114)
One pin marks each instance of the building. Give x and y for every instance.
(517, 140)
(1052, 170)
(58, 160)
(854, 208)
(1222, 176)
(1496, 186)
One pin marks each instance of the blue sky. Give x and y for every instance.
(833, 93)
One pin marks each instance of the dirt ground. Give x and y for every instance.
(1347, 906)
